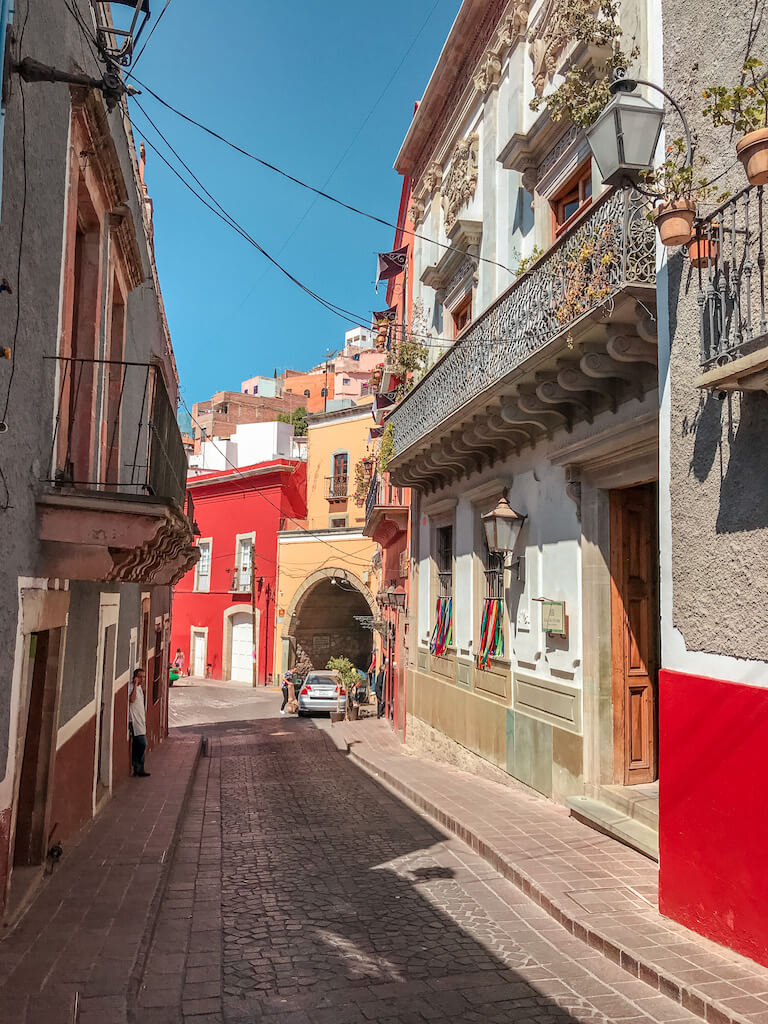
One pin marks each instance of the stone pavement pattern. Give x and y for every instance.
(302, 892)
(603, 893)
(75, 954)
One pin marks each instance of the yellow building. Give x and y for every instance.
(326, 581)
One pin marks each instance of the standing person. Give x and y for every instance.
(138, 718)
(285, 686)
(372, 672)
(381, 682)
(178, 661)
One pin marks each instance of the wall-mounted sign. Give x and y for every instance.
(553, 617)
(321, 644)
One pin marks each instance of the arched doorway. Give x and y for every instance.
(331, 616)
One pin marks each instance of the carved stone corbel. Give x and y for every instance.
(573, 487)
(460, 183)
(488, 73)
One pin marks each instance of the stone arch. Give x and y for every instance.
(324, 620)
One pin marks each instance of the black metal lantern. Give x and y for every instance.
(398, 598)
(118, 43)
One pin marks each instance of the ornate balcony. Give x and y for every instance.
(116, 509)
(730, 251)
(572, 336)
(337, 487)
(386, 510)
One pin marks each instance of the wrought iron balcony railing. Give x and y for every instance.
(731, 246)
(382, 493)
(116, 431)
(337, 487)
(611, 247)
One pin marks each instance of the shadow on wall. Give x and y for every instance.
(744, 490)
(706, 425)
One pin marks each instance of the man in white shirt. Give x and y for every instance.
(138, 718)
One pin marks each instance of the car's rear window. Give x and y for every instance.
(321, 680)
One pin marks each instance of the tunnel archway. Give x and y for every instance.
(323, 621)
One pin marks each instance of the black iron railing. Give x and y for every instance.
(337, 487)
(116, 432)
(729, 249)
(382, 493)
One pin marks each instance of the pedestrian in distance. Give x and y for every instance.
(137, 712)
(285, 686)
(178, 661)
(381, 682)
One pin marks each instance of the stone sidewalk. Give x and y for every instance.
(602, 892)
(78, 953)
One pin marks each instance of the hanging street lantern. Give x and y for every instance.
(624, 138)
(502, 527)
(397, 598)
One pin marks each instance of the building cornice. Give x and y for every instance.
(233, 475)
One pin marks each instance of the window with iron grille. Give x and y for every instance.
(444, 559)
(493, 568)
(242, 579)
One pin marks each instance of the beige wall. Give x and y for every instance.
(325, 437)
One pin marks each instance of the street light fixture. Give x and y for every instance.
(623, 139)
(502, 527)
(397, 598)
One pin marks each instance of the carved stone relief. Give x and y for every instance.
(416, 211)
(488, 72)
(460, 183)
(548, 39)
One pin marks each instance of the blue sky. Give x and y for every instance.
(292, 82)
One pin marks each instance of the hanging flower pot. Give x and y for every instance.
(703, 250)
(752, 150)
(674, 221)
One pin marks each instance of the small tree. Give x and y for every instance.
(347, 674)
(297, 419)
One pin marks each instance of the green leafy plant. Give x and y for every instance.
(674, 179)
(585, 274)
(527, 262)
(745, 106)
(410, 361)
(387, 449)
(580, 97)
(363, 473)
(348, 676)
(297, 419)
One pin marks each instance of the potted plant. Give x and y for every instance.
(745, 108)
(676, 192)
(703, 249)
(347, 674)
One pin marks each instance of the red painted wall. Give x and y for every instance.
(713, 826)
(228, 504)
(72, 802)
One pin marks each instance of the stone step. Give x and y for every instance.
(638, 802)
(615, 823)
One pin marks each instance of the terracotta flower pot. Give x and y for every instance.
(752, 150)
(674, 221)
(704, 251)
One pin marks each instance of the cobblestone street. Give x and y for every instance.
(303, 891)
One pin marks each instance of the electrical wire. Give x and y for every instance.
(320, 193)
(14, 343)
(87, 34)
(350, 316)
(218, 210)
(137, 58)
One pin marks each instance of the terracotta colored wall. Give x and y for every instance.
(713, 828)
(297, 383)
(73, 782)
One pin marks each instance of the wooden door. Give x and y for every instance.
(634, 634)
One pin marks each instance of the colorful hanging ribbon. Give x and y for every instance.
(491, 632)
(442, 634)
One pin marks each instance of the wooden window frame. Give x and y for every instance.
(463, 308)
(575, 188)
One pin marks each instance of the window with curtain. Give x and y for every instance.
(492, 620)
(442, 634)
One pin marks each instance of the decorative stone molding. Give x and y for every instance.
(433, 178)
(548, 40)
(416, 211)
(460, 183)
(488, 73)
(514, 24)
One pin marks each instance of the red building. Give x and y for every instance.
(238, 513)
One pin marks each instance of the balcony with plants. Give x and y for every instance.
(115, 507)
(544, 354)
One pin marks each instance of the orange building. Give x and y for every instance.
(313, 387)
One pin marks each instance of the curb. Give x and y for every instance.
(140, 965)
(631, 961)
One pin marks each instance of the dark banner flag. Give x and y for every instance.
(387, 316)
(391, 264)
